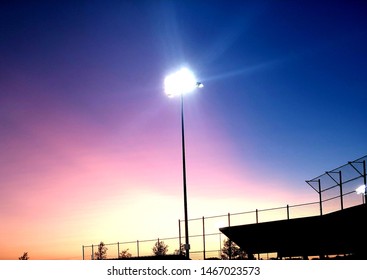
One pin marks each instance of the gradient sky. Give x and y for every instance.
(91, 146)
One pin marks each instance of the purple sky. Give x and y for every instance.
(91, 146)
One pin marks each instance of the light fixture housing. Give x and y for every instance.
(361, 189)
(181, 82)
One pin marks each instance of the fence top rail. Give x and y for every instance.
(252, 211)
(359, 160)
(304, 204)
(224, 215)
(271, 209)
(135, 241)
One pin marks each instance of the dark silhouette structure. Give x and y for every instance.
(338, 233)
(156, 257)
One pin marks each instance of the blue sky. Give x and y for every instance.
(87, 131)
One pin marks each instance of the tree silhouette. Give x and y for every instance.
(124, 254)
(160, 249)
(101, 254)
(180, 251)
(231, 250)
(24, 256)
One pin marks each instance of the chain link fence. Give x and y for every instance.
(336, 190)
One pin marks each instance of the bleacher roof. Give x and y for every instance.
(340, 232)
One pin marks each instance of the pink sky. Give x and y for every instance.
(91, 146)
(71, 181)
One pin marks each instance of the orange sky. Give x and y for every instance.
(91, 145)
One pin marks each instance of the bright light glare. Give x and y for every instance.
(181, 82)
(361, 189)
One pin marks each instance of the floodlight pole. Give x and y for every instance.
(180, 83)
(187, 244)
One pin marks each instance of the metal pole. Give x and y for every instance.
(341, 190)
(179, 235)
(340, 183)
(187, 244)
(287, 212)
(229, 240)
(320, 197)
(83, 251)
(118, 250)
(220, 246)
(204, 257)
(364, 177)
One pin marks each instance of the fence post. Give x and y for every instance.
(257, 216)
(137, 247)
(287, 212)
(179, 234)
(118, 250)
(340, 185)
(320, 196)
(83, 252)
(220, 246)
(341, 190)
(92, 252)
(229, 240)
(204, 256)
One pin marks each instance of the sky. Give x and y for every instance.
(91, 145)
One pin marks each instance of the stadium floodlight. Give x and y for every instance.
(361, 189)
(180, 83)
